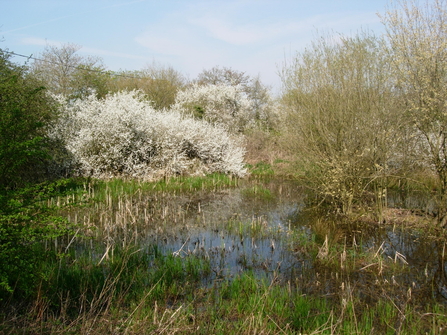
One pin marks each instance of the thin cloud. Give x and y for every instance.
(111, 53)
(84, 49)
(237, 33)
(205, 35)
(124, 4)
(229, 32)
(37, 24)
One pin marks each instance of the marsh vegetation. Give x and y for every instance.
(221, 255)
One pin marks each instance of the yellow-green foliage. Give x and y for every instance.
(417, 44)
(337, 96)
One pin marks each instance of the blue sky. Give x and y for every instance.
(254, 36)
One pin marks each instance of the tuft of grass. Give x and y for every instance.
(258, 227)
(115, 188)
(260, 169)
(211, 182)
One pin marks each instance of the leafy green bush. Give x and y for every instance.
(25, 112)
(26, 222)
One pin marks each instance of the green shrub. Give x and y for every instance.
(25, 113)
(26, 222)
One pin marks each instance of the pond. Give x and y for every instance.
(264, 227)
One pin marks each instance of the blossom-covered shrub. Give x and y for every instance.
(220, 104)
(123, 135)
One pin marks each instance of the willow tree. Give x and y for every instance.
(338, 98)
(417, 43)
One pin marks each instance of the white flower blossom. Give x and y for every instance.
(219, 104)
(123, 135)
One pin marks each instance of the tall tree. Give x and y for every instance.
(66, 72)
(26, 112)
(417, 43)
(224, 76)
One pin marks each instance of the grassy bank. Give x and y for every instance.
(146, 292)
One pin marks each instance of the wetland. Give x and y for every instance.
(221, 255)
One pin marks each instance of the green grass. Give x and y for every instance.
(115, 188)
(81, 281)
(261, 169)
(148, 291)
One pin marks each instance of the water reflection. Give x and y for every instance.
(273, 236)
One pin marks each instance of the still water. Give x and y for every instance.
(264, 227)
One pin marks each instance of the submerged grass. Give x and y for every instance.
(259, 192)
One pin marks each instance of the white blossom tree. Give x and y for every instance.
(264, 107)
(123, 134)
(219, 104)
